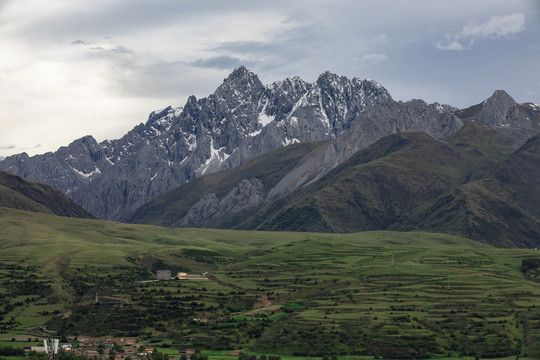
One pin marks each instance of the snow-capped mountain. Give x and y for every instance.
(242, 119)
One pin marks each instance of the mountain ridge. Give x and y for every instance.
(19, 193)
(244, 119)
(503, 206)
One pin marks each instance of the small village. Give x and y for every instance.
(119, 349)
(108, 348)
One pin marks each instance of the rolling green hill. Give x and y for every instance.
(20, 193)
(502, 208)
(387, 294)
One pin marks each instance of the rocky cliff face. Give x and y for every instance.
(241, 120)
(248, 194)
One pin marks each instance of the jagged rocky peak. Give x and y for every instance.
(516, 121)
(498, 111)
(501, 111)
(290, 87)
(157, 114)
(160, 122)
(501, 96)
(333, 81)
(241, 84)
(499, 102)
(282, 96)
(328, 78)
(85, 146)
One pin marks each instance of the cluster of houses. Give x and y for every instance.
(103, 349)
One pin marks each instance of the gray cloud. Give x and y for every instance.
(119, 49)
(372, 59)
(223, 62)
(8, 149)
(496, 27)
(84, 64)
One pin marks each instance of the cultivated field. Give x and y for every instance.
(387, 294)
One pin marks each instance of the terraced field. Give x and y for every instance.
(385, 294)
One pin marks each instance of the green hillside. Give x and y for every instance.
(502, 208)
(385, 294)
(20, 193)
(377, 185)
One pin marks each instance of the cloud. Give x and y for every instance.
(224, 62)
(454, 45)
(11, 148)
(37, 146)
(372, 59)
(496, 27)
(99, 67)
(119, 49)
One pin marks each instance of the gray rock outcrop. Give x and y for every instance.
(519, 122)
(247, 195)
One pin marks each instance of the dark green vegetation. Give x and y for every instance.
(20, 193)
(306, 294)
(503, 208)
(531, 268)
(378, 185)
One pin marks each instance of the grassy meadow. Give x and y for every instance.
(362, 295)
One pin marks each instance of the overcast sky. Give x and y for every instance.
(70, 68)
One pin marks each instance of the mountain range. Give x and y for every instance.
(335, 155)
(241, 120)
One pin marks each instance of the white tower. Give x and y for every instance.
(51, 347)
